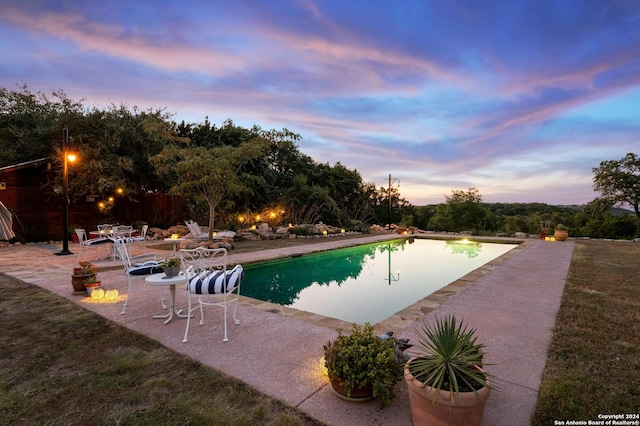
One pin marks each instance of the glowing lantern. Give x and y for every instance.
(324, 232)
(111, 294)
(323, 366)
(175, 236)
(342, 231)
(97, 293)
(253, 227)
(547, 239)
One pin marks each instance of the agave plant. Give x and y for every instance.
(449, 358)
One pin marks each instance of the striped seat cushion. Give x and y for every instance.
(147, 268)
(94, 241)
(212, 282)
(126, 240)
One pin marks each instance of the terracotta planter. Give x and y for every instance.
(357, 395)
(561, 234)
(467, 409)
(90, 287)
(78, 281)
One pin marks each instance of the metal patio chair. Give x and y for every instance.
(87, 243)
(210, 283)
(136, 267)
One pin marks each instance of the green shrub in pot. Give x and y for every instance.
(446, 377)
(363, 359)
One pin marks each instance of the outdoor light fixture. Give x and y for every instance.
(323, 366)
(111, 294)
(67, 157)
(97, 293)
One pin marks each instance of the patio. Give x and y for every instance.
(512, 303)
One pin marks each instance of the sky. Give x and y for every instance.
(519, 99)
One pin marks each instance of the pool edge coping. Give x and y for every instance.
(407, 316)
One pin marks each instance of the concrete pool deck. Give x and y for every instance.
(512, 302)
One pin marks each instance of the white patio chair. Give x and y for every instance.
(198, 234)
(135, 267)
(196, 231)
(124, 232)
(105, 230)
(142, 237)
(86, 243)
(209, 281)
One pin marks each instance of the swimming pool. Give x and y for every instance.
(366, 283)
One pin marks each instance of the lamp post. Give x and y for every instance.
(65, 193)
(391, 182)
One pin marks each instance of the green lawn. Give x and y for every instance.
(593, 365)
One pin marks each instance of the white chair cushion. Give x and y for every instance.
(212, 282)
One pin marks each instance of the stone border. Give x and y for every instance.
(405, 317)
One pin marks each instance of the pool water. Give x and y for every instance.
(366, 283)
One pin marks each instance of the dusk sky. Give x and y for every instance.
(519, 99)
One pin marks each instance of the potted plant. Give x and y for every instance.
(71, 231)
(561, 232)
(91, 283)
(80, 275)
(171, 266)
(362, 366)
(446, 382)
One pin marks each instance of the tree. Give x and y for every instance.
(209, 173)
(462, 211)
(619, 181)
(31, 123)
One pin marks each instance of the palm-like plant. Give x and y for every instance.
(451, 360)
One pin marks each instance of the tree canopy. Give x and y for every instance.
(228, 168)
(228, 171)
(619, 181)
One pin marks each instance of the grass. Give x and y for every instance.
(61, 364)
(593, 364)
